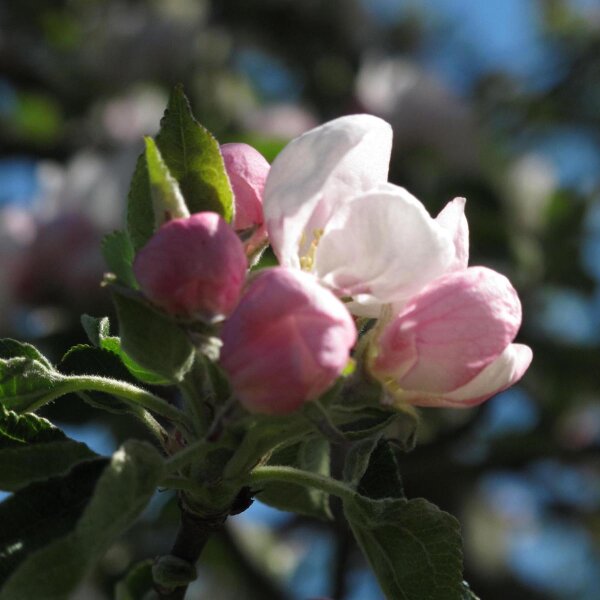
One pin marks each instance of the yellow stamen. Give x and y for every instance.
(308, 260)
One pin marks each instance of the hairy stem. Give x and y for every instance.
(300, 477)
(126, 391)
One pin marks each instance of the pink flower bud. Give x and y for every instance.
(451, 344)
(286, 342)
(193, 267)
(247, 170)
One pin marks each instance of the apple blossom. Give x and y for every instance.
(450, 345)
(247, 170)
(193, 267)
(286, 342)
(330, 211)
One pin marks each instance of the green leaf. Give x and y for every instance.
(468, 593)
(113, 344)
(13, 349)
(34, 516)
(413, 547)
(98, 331)
(152, 340)
(382, 476)
(140, 214)
(124, 488)
(83, 360)
(356, 424)
(357, 460)
(32, 449)
(312, 454)
(137, 583)
(27, 383)
(117, 250)
(95, 328)
(167, 201)
(193, 157)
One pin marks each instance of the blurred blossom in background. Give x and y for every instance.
(497, 101)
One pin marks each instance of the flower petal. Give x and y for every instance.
(457, 325)
(505, 371)
(318, 171)
(452, 217)
(382, 247)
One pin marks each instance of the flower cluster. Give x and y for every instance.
(350, 245)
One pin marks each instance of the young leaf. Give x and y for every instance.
(193, 157)
(140, 214)
(10, 348)
(152, 340)
(113, 344)
(95, 328)
(27, 383)
(117, 250)
(357, 460)
(137, 583)
(167, 201)
(312, 454)
(34, 516)
(124, 488)
(98, 332)
(413, 547)
(382, 476)
(362, 423)
(32, 449)
(83, 359)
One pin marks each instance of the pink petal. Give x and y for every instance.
(456, 326)
(286, 342)
(247, 170)
(505, 371)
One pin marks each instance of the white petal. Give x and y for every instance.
(382, 247)
(318, 171)
(452, 217)
(506, 370)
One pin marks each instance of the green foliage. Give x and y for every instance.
(193, 157)
(53, 570)
(413, 547)
(27, 379)
(365, 422)
(167, 201)
(42, 512)
(32, 449)
(152, 340)
(98, 332)
(311, 454)
(12, 348)
(186, 160)
(83, 359)
(140, 214)
(382, 478)
(118, 253)
(137, 583)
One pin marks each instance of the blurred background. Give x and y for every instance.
(498, 101)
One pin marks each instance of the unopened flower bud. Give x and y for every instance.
(247, 170)
(451, 344)
(286, 342)
(193, 267)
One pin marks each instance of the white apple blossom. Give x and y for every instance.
(330, 211)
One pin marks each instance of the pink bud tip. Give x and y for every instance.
(247, 170)
(286, 342)
(193, 267)
(451, 343)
